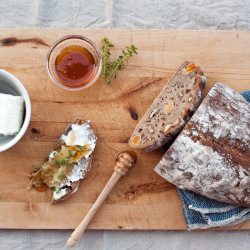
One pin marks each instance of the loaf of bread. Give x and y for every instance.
(171, 109)
(211, 156)
(68, 162)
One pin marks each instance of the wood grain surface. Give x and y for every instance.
(141, 200)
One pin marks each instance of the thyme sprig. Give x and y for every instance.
(110, 69)
(106, 57)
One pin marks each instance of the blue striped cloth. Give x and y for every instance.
(202, 212)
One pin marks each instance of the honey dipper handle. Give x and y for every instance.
(76, 235)
(124, 162)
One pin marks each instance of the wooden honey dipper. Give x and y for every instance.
(124, 161)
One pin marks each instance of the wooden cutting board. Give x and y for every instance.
(141, 200)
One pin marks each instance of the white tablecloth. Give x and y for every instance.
(181, 14)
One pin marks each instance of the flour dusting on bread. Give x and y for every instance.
(211, 155)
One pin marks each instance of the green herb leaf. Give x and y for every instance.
(110, 69)
(83, 148)
(56, 189)
(71, 153)
(63, 162)
(106, 58)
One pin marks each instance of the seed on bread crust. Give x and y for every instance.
(153, 113)
(180, 94)
(176, 122)
(190, 99)
(136, 139)
(167, 127)
(190, 68)
(169, 107)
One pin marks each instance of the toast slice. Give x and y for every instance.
(68, 163)
(171, 109)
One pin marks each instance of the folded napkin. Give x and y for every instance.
(202, 212)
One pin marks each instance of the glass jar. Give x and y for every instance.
(74, 63)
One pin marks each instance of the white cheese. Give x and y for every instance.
(60, 193)
(11, 114)
(79, 135)
(52, 155)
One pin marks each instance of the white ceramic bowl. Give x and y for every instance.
(9, 84)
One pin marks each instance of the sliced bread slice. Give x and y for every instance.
(171, 109)
(68, 163)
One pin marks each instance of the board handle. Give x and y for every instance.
(124, 162)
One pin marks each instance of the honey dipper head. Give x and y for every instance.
(124, 161)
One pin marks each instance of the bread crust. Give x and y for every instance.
(163, 138)
(211, 155)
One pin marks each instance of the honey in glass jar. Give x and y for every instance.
(74, 63)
